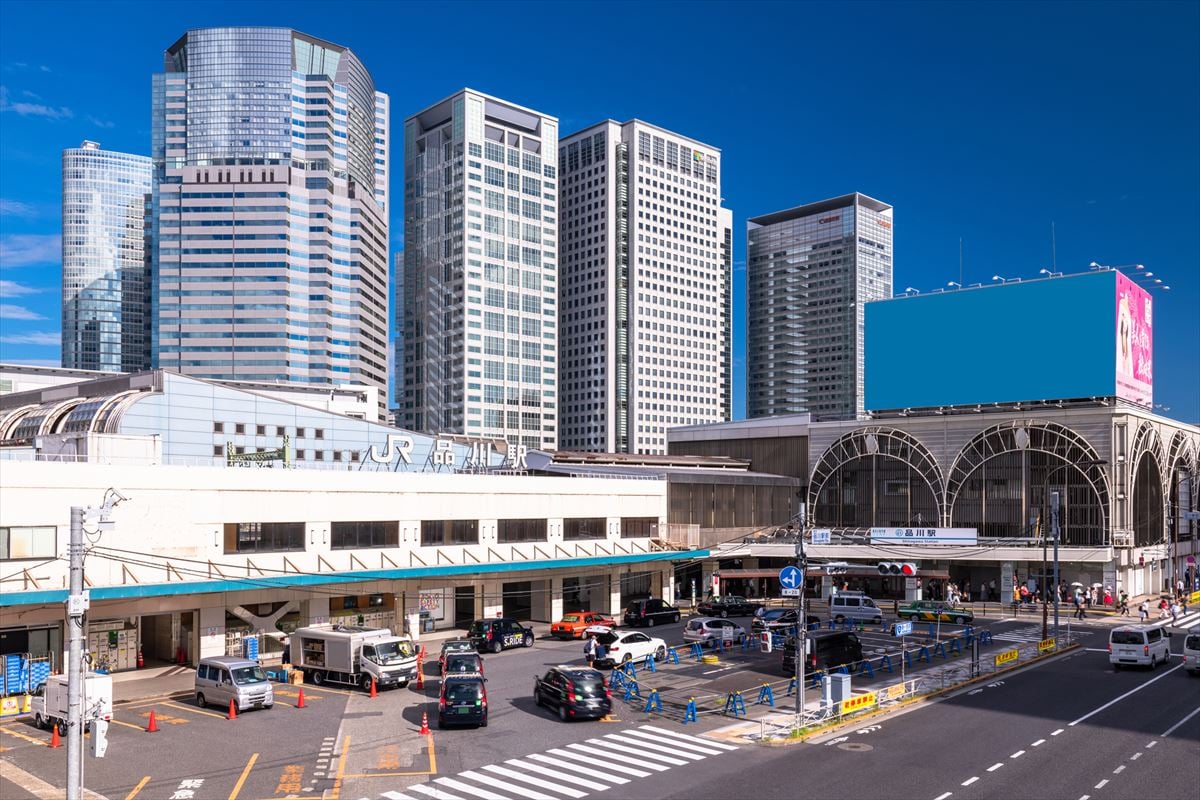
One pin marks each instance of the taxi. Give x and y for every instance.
(936, 611)
(572, 625)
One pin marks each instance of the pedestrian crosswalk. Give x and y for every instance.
(1031, 633)
(573, 770)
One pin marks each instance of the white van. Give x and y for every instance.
(1191, 653)
(221, 679)
(1141, 645)
(854, 605)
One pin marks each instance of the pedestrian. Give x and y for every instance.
(1162, 608)
(1078, 607)
(1143, 611)
(1174, 612)
(601, 653)
(589, 649)
(992, 589)
(1123, 604)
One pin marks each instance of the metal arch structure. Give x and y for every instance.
(1149, 514)
(1147, 441)
(878, 440)
(1037, 436)
(1182, 449)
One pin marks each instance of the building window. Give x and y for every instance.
(319, 433)
(239, 429)
(337, 455)
(28, 542)
(510, 531)
(639, 527)
(218, 427)
(584, 528)
(300, 434)
(280, 430)
(350, 535)
(449, 531)
(218, 449)
(261, 430)
(263, 537)
(319, 455)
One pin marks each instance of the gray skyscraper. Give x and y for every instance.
(105, 296)
(645, 304)
(811, 270)
(477, 330)
(270, 229)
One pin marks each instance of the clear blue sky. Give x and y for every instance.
(979, 121)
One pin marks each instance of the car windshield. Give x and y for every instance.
(245, 675)
(589, 688)
(571, 618)
(393, 652)
(1126, 637)
(463, 662)
(463, 692)
(1192, 642)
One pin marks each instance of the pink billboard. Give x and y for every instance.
(1135, 343)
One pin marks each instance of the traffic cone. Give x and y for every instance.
(300, 699)
(141, 662)
(424, 724)
(374, 692)
(232, 710)
(54, 740)
(420, 674)
(152, 725)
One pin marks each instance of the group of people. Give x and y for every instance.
(594, 650)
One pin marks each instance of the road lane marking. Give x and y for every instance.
(1119, 770)
(1038, 742)
(336, 791)
(1085, 797)
(526, 778)
(1057, 732)
(1122, 697)
(1135, 756)
(598, 763)
(138, 788)
(1102, 784)
(969, 781)
(237, 787)
(685, 737)
(1171, 730)
(1151, 744)
(195, 710)
(578, 781)
(995, 766)
(943, 796)
(1017, 754)
(24, 736)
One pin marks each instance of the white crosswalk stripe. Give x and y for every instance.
(573, 771)
(1187, 621)
(1032, 633)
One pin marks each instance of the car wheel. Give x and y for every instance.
(62, 727)
(960, 620)
(660, 654)
(365, 682)
(39, 723)
(650, 622)
(627, 658)
(537, 697)
(497, 647)
(528, 642)
(484, 723)
(318, 678)
(200, 701)
(268, 707)
(562, 712)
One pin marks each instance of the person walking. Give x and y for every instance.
(1123, 604)
(1143, 611)
(589, 650)
(1078, 607)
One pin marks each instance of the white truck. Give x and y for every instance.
(353, 656)
(49, 703)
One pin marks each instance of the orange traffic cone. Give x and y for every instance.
(300, 699)
(141, 661)
(374, 693)
(424, 724)
(54, 740)
(152, 725)
(232, 710)
(420, 674)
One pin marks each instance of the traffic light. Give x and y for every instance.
(836, 568)
(906, 568)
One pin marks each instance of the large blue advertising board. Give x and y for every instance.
(1051, 339)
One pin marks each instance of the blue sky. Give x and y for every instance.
(980, 122)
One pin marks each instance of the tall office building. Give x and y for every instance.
(270, 231)
(645, 307)
(105, 299)
(811, 270)
(477, 326)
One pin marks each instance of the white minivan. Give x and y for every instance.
(1140, 645)
(854, 605)
(1191, 653)
(221, 680)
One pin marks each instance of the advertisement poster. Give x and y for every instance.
(433, 602)
(1135, 342)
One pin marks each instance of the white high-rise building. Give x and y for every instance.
(476, 349)
(645, 300)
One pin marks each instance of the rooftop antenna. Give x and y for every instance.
(1053, 248)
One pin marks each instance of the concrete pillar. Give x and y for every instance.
(491, 601)
(539, 603)
(614, 593)
(555, 586)
(667, 577)
(212, 631)
(315, 610)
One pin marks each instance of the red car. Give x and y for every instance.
(572, 625)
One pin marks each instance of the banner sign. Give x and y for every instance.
(859, 702)
(1046, 645)
(1007, 656)
(956, 536)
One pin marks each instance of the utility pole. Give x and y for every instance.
(801, 626)
(1054, 503)
(77, 603)
(1045, 589)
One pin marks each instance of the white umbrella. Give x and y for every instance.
(1077, 583)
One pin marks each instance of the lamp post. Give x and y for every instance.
(801, 627)
(1054, 527)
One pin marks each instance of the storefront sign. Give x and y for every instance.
(1007, 656)
(859, 702)
(958, 536)
(433, 603)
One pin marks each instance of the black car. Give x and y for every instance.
(650, 612)
(462, 663)
(827, 650)
(728, 606)
(574, 692)
(463, 701)
(499, 634)
(779, 619)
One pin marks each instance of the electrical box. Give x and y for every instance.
(99, 737)
(78, 605)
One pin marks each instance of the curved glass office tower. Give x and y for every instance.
(270, 230)
(105, 296)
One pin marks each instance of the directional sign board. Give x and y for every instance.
(902, 628)
(790, 577)
(821, 535)
(791, 592)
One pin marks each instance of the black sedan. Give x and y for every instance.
(574, 692)
(730, 605)
(779, 620)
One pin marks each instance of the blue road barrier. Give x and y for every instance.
(955, 647)
(985, 637)
(632, 691)
(648, 664)
(673, 655)
(791, 687)
(867, 670)
(939, 649)
(908, 658)
(697, 651)
(932, 630)
(765, 695)
(653, 703)
(923, 655)
(885, 662)
(735, 703)
(689, 713)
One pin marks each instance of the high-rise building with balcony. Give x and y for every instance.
(105, 291)
(270, 232)
(646, 283)
(811, 270)
(477, 324)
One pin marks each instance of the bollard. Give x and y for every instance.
(735, 703)
(649, 663)
(765, 695)
(152, 725)
(689, 714)
(653, 703)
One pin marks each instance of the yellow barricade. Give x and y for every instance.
(1007, 656)
(896, 690)
(1045, 645)
(859, 702)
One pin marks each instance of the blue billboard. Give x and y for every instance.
(1050, 339)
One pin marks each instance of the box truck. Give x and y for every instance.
(353, 656)
(49, 703)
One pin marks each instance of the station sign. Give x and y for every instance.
(821, 535)
(956, 536)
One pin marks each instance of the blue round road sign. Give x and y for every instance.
(790, 577)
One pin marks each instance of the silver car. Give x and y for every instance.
(707, 630)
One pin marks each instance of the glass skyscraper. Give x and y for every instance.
(105, 293)
(270, 258)
(811, 270)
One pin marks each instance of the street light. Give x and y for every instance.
(1001, 279)
(1097, 462)
(1049, 273)
(954, 283)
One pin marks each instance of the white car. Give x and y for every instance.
(623, 646)
(1191, 653)
(707, 630)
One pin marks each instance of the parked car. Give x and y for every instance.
(936, 611)
(1191, 653)
(707, 630)
(854, 605)
(572, 625)
(730, 605)
(223, 679)
(574, 692)
(779, 620)
(453, 646)
(1140, 645)
(623, 646)
(499, 634)
(650, 612)
(462, 663)
(827, 650)
(463, 701)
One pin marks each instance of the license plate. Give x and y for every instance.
(463, 710)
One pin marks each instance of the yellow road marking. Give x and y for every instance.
(127, 724)
(195, 710)
(431, 771)
(432, 757)
(24, 736)
(336, 792)
(137, 788)
(237, 787)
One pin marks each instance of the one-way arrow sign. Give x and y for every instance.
(790, 577)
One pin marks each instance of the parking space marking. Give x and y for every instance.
(195, 710)
(431, 771)
(336, 791)
(237, 787)
(138, 788)
(165, 719)
(116, 721)
(24, 736)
